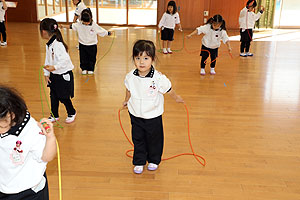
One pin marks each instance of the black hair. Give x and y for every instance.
(51, 26)
(11, 102)
(217, 19)
(173, 4)
(86, 15)
(146, 46)
(249, 2)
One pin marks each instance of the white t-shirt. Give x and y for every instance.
(57, 56)
(79, 8)
(147, 93)
(21, 150)
(2, 12)
(247, 19)
(169, 21)
(212, 39)
(87, 34)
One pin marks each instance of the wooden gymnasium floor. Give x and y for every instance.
(244, 121)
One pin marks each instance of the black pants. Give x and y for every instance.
(3, 31)
(28, 194)
(213, 55)
(246, 38)
(87, 56)
(55, 104)
(148, 140)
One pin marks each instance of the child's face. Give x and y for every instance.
(216, 25)
(45, 35)
(143, 63)
(5, 123)
(75, 2)
(170, 9)
(251, 8)
(86, 23)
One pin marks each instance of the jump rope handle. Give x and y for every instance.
(46, 126)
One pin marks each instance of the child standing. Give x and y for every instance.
(88, 31)
(58, 70)
(247, 21)
(25, 149)
(145, 89)
(214, 31)
(3, 8)
(80, 6)
(167, 25)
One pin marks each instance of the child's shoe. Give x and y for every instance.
(169, 51)
(249, 54)
(165, 51)
(3, 43)
(52, 119)
(243, 54)
(202, 72)
(70, 118)
(84, 72)
(138, 169)
(90, 72)
(212, 71)
(152, 167)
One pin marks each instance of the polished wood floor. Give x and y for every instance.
(244, 120)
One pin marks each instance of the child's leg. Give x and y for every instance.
(92, 58)
(169, 46)
(247, 46)
(2, 31)
(155, 139)
(69, 106)
(83, 55)
(138, 139)
(243, 46)
(54, 103)
(204, 55)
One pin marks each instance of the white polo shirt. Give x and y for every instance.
(79, 8)
(147, 93)
(57, 56)
(21, 166)
(169, 21)
(212, 39)
(247, 18)
(2, 12)
(87, 34)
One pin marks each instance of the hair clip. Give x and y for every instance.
(55, 26)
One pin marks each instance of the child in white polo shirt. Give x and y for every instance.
(3, 8)
(88, 32)
(25, 149)
(167, 25)
(80, 6)
(145, 89)
(214, 31)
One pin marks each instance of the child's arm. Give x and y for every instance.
(4, 4)
(176, 97)
(191, 34)
(75, 18)
(127, 97)
(180, 27)
(228, 46)
(50, 150)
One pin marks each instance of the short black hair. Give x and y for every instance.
(12, 102)
(146, 46)
(249, 2)
(173, 4)
(217, 19)
(86, 15)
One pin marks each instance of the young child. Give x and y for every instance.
(247, 21)
(214, 31)
(58, 70)
(80, 6)
(145, 89)
(87, 35)
(3, 8)
(25, 149)
(167, 25)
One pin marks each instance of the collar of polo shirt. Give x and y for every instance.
(149, 75)
(17, 129)
(51, 40)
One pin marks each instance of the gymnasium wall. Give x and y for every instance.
(25, 11)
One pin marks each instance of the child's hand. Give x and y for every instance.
(109, 33)
(180, 29)
(50, 68)
(230, 50)
(46, 127)
(125, 104)
(188, 36)
(47, 79)
(179, 99)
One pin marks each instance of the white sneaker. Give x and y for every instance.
(138, 169)
(84, 72)
(212, 71)
(243, 54)
(165, 51)
(249, 54)
(169, 51)
(52, 119)
(202, 72)
(90, 72)
(152, 167)
(3, 43)
(70, 118)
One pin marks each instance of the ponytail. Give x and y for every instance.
(51, 26)
(217, 19)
